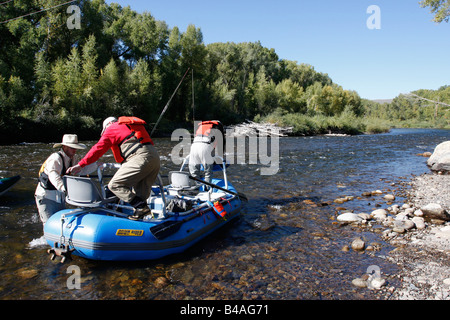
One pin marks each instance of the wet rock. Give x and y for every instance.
(399, 229)
(344, 199)
(364, 216)
(358, 244)
(264, 223)
(359, 282)
(27, 273)
(389, 197)
(246, 257)
(394, 209)
(435, 211)
(404, 224)
(349, 217)
(375, 283)
(426, 154)
(161, 282)
(379, 214)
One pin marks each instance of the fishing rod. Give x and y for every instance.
(167, 105)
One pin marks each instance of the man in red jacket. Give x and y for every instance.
(133, 148)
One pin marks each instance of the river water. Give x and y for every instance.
(286, 245)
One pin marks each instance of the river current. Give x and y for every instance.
(286, 245)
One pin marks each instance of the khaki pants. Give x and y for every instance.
(136, 175)
(48, 207)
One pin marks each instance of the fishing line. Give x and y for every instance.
(6, 2)
(167, 105)
(29, 14)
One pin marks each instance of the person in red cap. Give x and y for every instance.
(133, 148)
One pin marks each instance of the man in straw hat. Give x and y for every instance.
(133, 148)
(50, 191)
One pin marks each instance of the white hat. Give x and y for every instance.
(70, 140)
(106, 122)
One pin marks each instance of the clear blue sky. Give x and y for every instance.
(409, 52)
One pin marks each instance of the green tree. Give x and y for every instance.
(440, 9)
(110, 95)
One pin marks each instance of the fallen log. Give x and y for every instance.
(251, 128)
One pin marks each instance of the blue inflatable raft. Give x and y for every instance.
(7, 183)
(98, 228)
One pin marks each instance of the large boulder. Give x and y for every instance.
(440, 159)
(435, 211)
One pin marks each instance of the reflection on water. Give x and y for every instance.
(285, 246)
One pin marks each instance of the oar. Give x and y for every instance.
(239, 194)
(167, 228)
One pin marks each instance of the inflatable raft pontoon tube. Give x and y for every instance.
(99, 228)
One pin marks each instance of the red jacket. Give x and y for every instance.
(114, 135)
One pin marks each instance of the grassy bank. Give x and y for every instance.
(345, 123)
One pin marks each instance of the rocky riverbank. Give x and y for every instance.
(423, 254)
(420, 231)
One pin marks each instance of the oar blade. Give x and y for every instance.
(165, 229)
(242, 196)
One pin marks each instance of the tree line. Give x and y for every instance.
(420, 108)
(55, 80)
(121, 62)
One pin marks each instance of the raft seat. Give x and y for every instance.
(83, 192)
(179, 180)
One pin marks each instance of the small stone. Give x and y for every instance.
(404, 224)
(376, 283)
(360, 283)
(389, 197)
(408, 224)
(399, 230)
(447, 282)
(358, 244)
(27, 273)
(364, 216)
(379, 214)
(419, 222)
(161, 282)
(394, 209)
(349, 217)
(418, 213)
